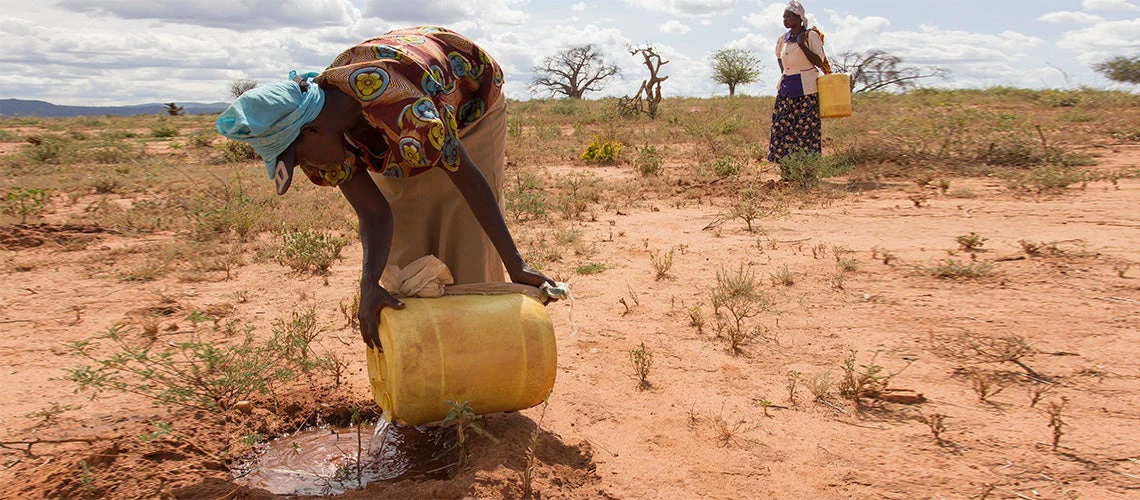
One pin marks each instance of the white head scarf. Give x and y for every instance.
(797, 9)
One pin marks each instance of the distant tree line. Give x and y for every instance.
(575, 71)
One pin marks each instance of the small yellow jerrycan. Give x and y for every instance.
(834, 95)
(495, 352)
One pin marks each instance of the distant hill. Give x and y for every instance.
(20, 107)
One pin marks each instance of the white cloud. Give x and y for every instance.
(1103, 40)
(675, 27)
(686, 7)
(1111, 5)
(501, 12)
(1065, 17)
(92, 52)
(770, 19)
(240, 15)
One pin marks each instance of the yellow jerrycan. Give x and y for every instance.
(834, 95)
(495, 352)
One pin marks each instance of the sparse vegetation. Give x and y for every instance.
(466, 423)
(937, 424)
(525, 198)
(24, 203)
(119, 222)
(642, 359)
(591, 268)
(969, 347)
(662, 262)
(531, 449)
(736, 299)
(783, 277)
(236, 151)
(309, 251)
(865, 381)
(648, 161)
(1057, 422)
(985, 384)
(794, 379)
(726, 429)
(971, 241)
(193, 373)
(803, 170)
(952, 269)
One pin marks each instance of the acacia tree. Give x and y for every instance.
(876, 70)
(734, 67)
(1120, 69)
(573, 72)
(239, 86)
(648, 96)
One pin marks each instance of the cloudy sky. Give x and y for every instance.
(107, 52)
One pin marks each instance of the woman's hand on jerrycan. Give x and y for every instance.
(373, 298)
(528, 276)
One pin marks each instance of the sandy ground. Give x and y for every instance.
(712, 423)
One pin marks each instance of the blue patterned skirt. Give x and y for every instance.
(795, 126)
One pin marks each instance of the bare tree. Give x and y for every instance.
(239, 86)
(573, 72)
(876, 70)
(649, 95)
(1120, 69)
(173, 109)
(734, 67)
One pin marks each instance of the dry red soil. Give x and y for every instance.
(712, 423)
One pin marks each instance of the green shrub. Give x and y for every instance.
(726, 167)
(971, 241)
(193, 374)
(525, 197)
(24, 202)
(309, 251)
(648, 161)
(804, 169)
(164, 130)
(201, 375)
(591, 268)
(514, 128)
(111, 151)
(203, 138)
(577, 192)
(47, 150)
(1047, 179)
(954, 270)
(601, 152)
(237, 151)
(565, 107)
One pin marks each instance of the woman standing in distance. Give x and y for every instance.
(795, 119)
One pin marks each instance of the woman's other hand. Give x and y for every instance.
(528, 276)
(373, 298)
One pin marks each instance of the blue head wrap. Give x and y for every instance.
(269, 117)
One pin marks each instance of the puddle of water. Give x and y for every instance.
(329, 460)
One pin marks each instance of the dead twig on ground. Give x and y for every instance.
(28, 444)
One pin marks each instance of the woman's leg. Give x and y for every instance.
(432, 218)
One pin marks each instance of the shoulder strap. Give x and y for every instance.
(823, 57)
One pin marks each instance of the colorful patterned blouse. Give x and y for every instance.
(418, 87)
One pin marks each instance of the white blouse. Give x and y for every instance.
(796, 63)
